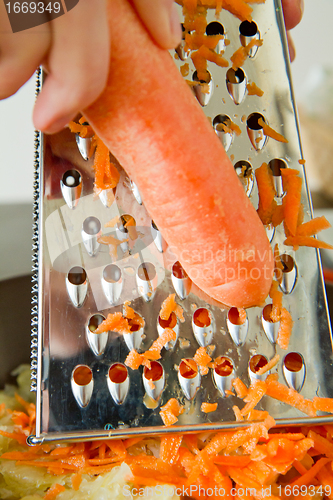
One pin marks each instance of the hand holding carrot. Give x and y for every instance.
(74, 49)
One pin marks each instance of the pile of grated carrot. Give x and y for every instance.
(258, 457)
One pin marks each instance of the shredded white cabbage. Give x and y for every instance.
(23, 482)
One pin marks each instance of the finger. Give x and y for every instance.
(162, 21)
(20, 53)
(77, 63)
(291, 46)
(293, 12)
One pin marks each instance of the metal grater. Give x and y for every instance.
(76, 282)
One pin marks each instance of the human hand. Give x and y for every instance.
(293, 12)
(74, 49)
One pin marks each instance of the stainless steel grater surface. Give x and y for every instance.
(83, 389)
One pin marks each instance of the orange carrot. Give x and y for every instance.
(285, 330)
(168, 306)
(267, 193)
(271, 363)
(126, 124)
(240, 388)
(170, 411)
(323, 404)
(306, 241)
(208, 407)
(271, 132)
(54, 491)
(310, 474)
(292, 185)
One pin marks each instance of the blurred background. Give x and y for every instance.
(313, 85)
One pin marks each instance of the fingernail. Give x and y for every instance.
(301, 6)
(175, 27)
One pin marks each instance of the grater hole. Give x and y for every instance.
(235, 75)
(178, 271)
(118, 373)
(267, 313)
(252, 121)
(244, 172)
(256, 362)
(126, 222)
(276, 165)
(235, 317)
(146, 271)
(154, 373)
(287, 262)
(201, 317)
(222, 127)
(71, 178)
(77, 275)
(293, 362)
(188, 368)
(111, 273)
(214, 28)
(95, 321)
(154, 225)
(171, 322)
(223, 366)
(82, 375)
(248, 28)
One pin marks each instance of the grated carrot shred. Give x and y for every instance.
(253, 89)
(270, 132)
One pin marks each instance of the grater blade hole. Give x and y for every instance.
(126, 221)
(276, 165)
(252, 121)
(71, 178)
(168, 323)
(155, 372)
(77, 275)
(214, 28)
(256, 362)
(223, 366)
(146, 271)
(293, 361)
(188, 368)
(201, 317)
(95, 321)
(91, 226)
(118, 373)
(82, 375)
(208, 78)
(178, 271)
(248, 28)
(111, 273)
